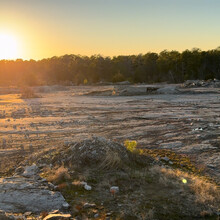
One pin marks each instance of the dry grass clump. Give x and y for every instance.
(142, 214)
(111, 160)
(62, 186)
(58, 176)
(204, 192)
(28, 93)
(149, 215)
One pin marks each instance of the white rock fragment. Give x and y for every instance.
(96, 215)
(198, 129)
(87, 187)
(114, 189)
(65, 205)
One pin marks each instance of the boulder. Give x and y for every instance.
(20, 194)
(30, 171)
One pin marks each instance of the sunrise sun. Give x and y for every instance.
(8, 46)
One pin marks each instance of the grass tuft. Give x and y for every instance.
(59, 176)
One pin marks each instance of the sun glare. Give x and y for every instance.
(8, 47)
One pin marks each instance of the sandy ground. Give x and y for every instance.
(187, 123)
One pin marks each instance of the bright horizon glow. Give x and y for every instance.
(109, 28)
(8, 46)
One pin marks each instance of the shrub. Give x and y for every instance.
(118, 77)
(130, 145)
(111, 160)
(60, 175)
(27, 93)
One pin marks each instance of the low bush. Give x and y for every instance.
(28, 93)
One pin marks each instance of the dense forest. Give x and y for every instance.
(167, 66)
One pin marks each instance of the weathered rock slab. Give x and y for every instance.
(19, 194)
(171, 145)
(194, 148)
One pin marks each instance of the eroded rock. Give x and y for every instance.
(30, 171)
(195, 148)
(20, 194)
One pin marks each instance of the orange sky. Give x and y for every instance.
(52, 28)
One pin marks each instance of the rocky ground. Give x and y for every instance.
(176, 125)
(102, 179)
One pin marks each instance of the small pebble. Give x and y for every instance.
(96, 215)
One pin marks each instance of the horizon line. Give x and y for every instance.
(108, 56)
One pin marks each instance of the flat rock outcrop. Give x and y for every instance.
(20, 194)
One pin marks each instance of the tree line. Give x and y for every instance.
(167, 66)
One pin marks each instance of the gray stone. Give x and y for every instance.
(171, 145)
(30, 171)
(65, 205)
(96, 215)
(20, 194)
(165, 158)
(168, 90)
(195, 148)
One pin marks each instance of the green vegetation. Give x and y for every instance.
(169, 66)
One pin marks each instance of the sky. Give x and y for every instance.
(46, 28)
